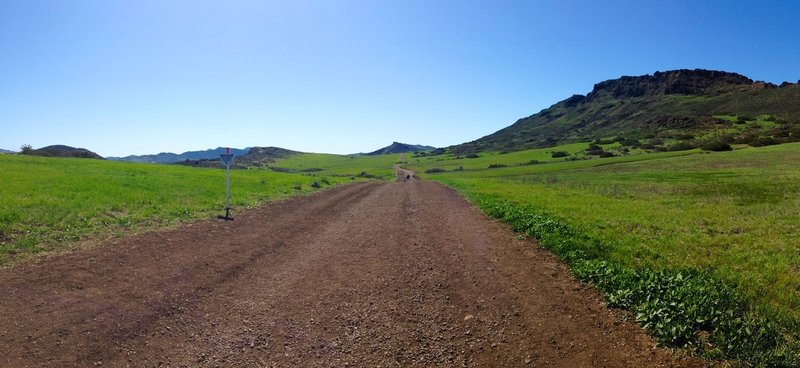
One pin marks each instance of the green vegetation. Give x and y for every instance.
(51, 203)
(322, 164)
(702, 104)
(701, 247)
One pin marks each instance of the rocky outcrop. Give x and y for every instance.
(684, 81)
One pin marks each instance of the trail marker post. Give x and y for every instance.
(227, 159)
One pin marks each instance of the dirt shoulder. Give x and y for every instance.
(369, 274)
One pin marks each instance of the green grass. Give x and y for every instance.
(52, 203)
(450, 162)
(734, 215)
(342, 165)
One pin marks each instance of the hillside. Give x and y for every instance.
(397, 147)
(63, 151)
(254, 157)
(169, 157)
(696, 105)
(5, 151)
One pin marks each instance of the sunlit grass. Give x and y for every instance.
(51, 203)
(342, 165)
(735, 214)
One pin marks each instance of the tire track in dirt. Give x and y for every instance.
(369, 274)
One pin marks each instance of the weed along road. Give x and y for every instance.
(371, 274)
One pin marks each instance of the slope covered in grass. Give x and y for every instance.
(51, 203)
(734, 216)
(380, 166)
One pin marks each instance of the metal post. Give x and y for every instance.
(227, 158)
(228, 191)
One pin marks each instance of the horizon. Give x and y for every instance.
(138, 78)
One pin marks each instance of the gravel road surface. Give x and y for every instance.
(371, 274)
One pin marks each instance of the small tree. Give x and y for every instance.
(25, 149)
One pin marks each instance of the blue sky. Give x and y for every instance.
(137, 77)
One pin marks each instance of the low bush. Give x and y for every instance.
(472, 155)
(762, 141)
(435, 170)
(497, 166)
(630, 142)
(716, 146)
(557, 154)
(606, 154)
(681, 146)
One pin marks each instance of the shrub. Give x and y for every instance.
(656, 141)
(472, 155)
(647, 146)
(606, 154)
(762, 141)
(630, 142)
(26, 149)
(316, 185)
(716, 146)
(435, 170)
(557, 154)
(681, 146)
(497, 166)
(531, 162)
(684, 137)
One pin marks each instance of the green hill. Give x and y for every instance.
(697, 107)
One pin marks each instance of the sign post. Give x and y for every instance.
(227, 159)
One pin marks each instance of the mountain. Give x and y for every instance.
(696, 105)
(63, 151)
(254, 157)
(5, 151)
(169, 158)
(397, 147)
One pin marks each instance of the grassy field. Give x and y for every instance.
(735, 215)
(51, 203)
(321, 164)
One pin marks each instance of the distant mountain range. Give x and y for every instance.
(692, 105)
(170, 158)
(397, 147)
(6, 151)
(254, 157)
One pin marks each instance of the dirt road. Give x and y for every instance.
(403, 274)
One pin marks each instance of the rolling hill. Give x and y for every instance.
(59, 150)
(254, 157)
(169, 157)
(397, 147)
(694, 105)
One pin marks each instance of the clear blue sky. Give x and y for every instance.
(144, 76)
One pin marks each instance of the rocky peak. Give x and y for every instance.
(683, 81)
